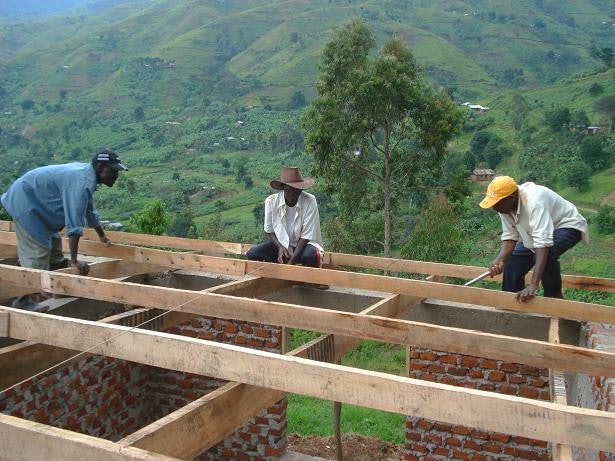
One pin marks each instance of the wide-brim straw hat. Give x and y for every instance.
(291, 176)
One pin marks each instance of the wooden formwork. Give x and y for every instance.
(310, 370)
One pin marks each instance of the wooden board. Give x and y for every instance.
(469, 407)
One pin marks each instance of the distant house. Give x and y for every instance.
(482, 174)
(593, 129)
(478, 108)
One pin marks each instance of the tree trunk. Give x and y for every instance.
(386, 189)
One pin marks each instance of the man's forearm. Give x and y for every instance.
(542, 255)
(508, 247)
(275, 240)
(298, 250)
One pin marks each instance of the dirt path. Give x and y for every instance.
(355, 447)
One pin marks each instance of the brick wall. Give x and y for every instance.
(263, 437)
(432, 440)
(110, 398)
(596, 392)
(98, 396)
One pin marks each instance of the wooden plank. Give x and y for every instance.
(469, 407)
(469, 342)
(22, 440)
(199, 425)
(557, 383)
(194, 428)
(8, 251)
(4, 324)
(335, 259)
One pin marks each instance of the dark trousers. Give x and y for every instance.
(268, 252)
(522, 260)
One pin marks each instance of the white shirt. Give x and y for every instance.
(540, 212)
(305, 225)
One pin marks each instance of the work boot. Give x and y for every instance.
(27, 304)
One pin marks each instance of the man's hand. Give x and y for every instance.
(496, 267)
(84, 268)
(283, 255)
(104, 239)
(527, 293)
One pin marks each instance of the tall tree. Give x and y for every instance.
(606, 105)
(375, 125)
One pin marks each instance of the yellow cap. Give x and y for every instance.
(501, 187)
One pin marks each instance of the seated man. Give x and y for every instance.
(292, 223)
(538, 226)
(47, 199)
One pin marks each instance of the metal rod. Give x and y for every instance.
(476, 279)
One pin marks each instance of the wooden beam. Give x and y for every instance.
(4, 324)
(469, 407)
(22, 440)
(469, 342)
(8, 251)
(549, 306)
(199, 425)
(331, 259)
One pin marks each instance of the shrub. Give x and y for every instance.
(605, 219)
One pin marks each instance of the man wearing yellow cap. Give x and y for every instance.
(538, 226)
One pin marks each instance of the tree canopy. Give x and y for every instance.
(375, 128)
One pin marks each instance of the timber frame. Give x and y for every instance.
(310, 370)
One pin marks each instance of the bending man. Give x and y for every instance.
(45, 200)
(538, 226)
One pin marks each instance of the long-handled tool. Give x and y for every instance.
(476, 279)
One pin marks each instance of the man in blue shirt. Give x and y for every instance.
(47, 199)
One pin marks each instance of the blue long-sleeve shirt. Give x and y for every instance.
(47, 199)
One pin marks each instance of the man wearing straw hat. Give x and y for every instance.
(538, 226)
(292, 223)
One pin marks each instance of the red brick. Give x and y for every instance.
(208, 335)
(409, 423)
(509, 390)
(241, 339)
(425, 425)
(545, 395)
(517, 379)
(487, 387)
(527, 454)
(419, 447)
(419, 366)
(414, 436)
(270, 451)
(511, 451)
(538, 443)
(461, 430)
(458, 454)
(449, 380)
(538, 383)
(488, 363)
(520, 440)
(414, 354)
(428, 377)
(409, 457)
(442, 451)
(430, 356)
(457, 371)
(432, 438)
(476, 374)
(470, 362)
(442, 427)
(436, 368)
(480, 434)
(497, 376)
(449, 359)
(470, 444)
(509, 367)
(478, 457)
(527, 370)
(190, 333)
(492, 447)
(246, 328)
(528, 392)
(452, 441)
(504, 438)
(231, 328)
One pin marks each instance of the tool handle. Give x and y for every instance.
(476, 279)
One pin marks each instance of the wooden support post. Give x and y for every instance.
(489, 411)
(557, 384)
(22, 440)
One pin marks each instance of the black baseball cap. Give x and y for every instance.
(108, 157)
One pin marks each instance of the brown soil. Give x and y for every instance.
(354, 447)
